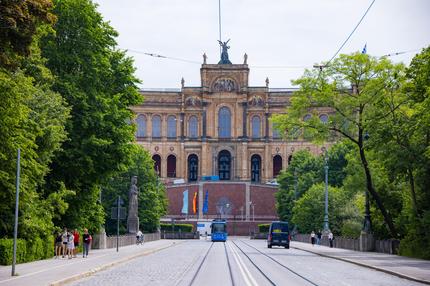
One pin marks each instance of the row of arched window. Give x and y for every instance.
(224, 166)
(224, 125)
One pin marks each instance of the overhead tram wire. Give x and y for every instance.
(163, 57)
(355, 28)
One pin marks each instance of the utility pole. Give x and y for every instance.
(117, 222)
(326, 227)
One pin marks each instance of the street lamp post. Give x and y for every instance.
(326, 227)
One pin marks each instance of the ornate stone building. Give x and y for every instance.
(220, 128)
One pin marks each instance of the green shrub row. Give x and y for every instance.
(177, 227)
(263, 228)
(26, 251)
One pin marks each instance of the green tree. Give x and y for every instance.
(309, 209)
(152, 193)
(19, 21)
(356, 88)
(97, 82)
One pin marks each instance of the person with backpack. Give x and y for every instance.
(86, 238)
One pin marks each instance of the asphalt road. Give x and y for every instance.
(239, 261)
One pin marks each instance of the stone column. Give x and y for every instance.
(266, 137)
(247, 201)
(182, 116)
(99, 240)
(244, 118)
(367, 241)
(204, 124)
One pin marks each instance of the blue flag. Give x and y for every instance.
(185, 202)
(205, 203)
(364, 51)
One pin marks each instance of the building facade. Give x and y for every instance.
(221, 128)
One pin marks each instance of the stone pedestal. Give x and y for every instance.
(367, 241)
(99, 240)
(133, 225)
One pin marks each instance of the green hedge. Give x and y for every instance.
(26, 251)
(263, 228)
(177, 227)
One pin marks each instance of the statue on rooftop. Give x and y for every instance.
(245, 59)
(204, 58)
(224, 54)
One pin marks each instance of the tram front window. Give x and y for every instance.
(218, 228)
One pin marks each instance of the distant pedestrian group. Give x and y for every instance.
(316, 238)
(67, 243)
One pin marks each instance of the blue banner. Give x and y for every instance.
(205, 203)
(185, 202)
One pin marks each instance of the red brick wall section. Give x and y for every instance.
(263, 198)
(175, 196)
(235, 193)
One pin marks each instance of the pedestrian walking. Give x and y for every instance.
(319, 236)
(75, 241)
(70, 245)
(330, 238)
(313, 238)
(58, 245)
(65, 240)
(86, 238)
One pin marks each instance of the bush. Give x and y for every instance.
(263, 228)
(177, 227)
(351, 229)
(26, 251)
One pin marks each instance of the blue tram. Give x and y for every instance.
(219, 230)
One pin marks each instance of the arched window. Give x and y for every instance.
(224, 123)
(324, 118)
(277, 165)
(193, 167)
(156, 126)
(192, 127)
(224, 165)
(171, 166)
(171, 126)
(307, 117)
(141, 126)
(255, 122)
(157, 164)
(275, 132)
(289, 159)
(255, 168)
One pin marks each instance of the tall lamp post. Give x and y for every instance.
(326, 227)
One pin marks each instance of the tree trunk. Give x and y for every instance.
(387, 218)
(413, 194)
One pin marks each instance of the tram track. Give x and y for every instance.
(274, 260)
(200, 265)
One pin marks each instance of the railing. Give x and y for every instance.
(389, 246)
(129, 239)
(179, 235)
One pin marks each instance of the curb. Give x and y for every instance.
(106, 266)
(367, 266)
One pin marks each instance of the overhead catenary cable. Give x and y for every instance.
(355, 28)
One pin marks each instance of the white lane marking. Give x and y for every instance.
(247, 276)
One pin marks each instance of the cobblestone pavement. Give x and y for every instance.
(251, 264)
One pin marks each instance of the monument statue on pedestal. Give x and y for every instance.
(133, 218)
(224, 54)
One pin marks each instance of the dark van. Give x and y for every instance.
(279, 234)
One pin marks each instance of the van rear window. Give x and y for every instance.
(280, 227)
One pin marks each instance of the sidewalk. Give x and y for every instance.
(62, 270)
(405, 267)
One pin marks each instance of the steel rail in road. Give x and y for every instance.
(273, 259)
(255, 265)
(229, 265)
(201, 264)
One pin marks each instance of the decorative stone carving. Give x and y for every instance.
(224, 54)
(256, 101)
(193, 101)
(224, 85)
(133, 218)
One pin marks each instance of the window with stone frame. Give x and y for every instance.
(156, 126)
(256, 126)
(224, 123)
(193, 127)
(141, 125)
(171, 126)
